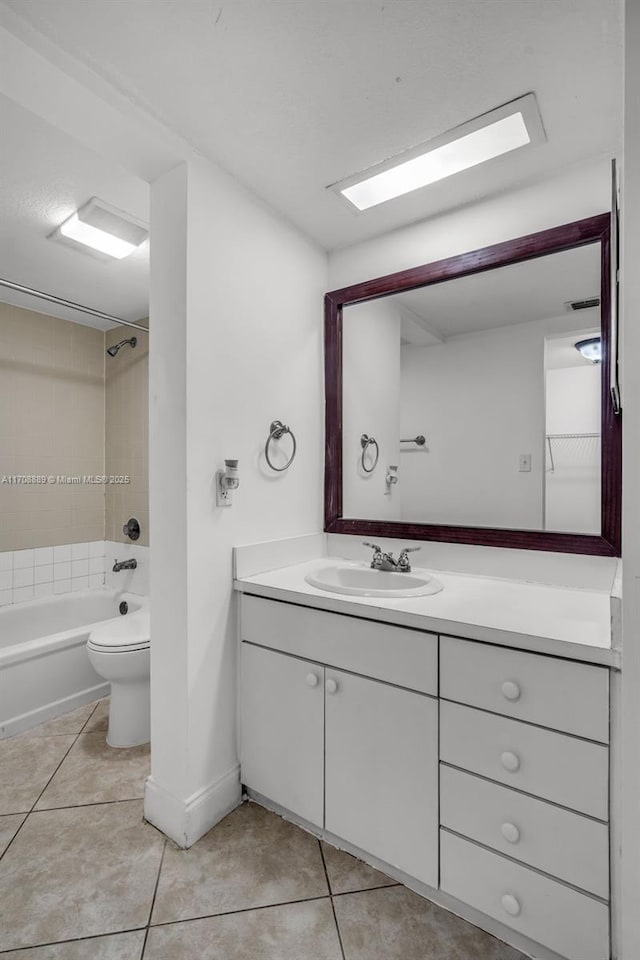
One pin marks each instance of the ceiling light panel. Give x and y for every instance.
(76, 229)
(103, 230)
(510, 127)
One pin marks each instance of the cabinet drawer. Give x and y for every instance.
(564, 844)
(408, 658)
(560, 918)
(568, 771)
(572, 697)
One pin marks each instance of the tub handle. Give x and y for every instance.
(131, 529)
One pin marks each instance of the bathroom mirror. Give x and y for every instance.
(470, 400)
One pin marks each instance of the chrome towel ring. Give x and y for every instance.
(276, 431)
(365, 443)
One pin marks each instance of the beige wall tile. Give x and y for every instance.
(66, 410)
(126, 417)
(52, 401)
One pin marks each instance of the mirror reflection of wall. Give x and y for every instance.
(572, 454)
(371, 395)
(475, 365)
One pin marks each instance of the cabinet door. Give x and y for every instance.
(381, 779)
(281, 735)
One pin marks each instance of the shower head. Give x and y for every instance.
(112, 351)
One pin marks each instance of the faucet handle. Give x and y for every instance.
(403, 559)
(378, 556)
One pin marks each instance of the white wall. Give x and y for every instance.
(630, 743)
(371, 405)
(572, 493)
(573, 399)
(583, 192)
(237, 318)
(168, 490)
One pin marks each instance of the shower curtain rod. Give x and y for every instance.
(70, 304)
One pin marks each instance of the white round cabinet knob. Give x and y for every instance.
(511, 904)
(312, 680)
(510, 690)
(510, 761)
(510, 832)
(332, 685)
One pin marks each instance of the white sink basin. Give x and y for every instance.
(358, 580)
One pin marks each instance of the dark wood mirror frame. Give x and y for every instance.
(566, 237)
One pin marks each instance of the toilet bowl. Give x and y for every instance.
(119, 651)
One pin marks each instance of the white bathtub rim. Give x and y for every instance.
(27, 721)
(139, 598)
(40, 646)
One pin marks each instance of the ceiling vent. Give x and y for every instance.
(572, 305)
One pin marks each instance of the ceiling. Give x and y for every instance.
(45, 177)
(518, 293)
(293, 96)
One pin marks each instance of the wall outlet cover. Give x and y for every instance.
(223, 495)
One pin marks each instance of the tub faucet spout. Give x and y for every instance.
(125, 565)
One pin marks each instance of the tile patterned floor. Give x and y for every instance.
(82, 877)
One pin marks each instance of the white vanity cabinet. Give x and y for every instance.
(351, 754)
(479, 772)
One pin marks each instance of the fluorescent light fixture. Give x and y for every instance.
(514, 125)
(81, 232)
(590, 349)
(102, 229)
(464, 152)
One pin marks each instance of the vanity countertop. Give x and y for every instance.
(560, 621)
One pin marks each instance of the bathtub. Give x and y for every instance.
(44, 667)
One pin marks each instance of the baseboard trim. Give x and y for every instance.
(186, 820)
(26, 721)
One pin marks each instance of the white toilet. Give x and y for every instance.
(119, 652)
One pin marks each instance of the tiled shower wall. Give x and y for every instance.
(46, 571)
(51, 425)
(127, 434)
(65, 413)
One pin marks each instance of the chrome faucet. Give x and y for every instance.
(125, 565)
(387, 562)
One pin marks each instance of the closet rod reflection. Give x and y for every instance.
(20, 288)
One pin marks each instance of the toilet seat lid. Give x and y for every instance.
(118, 648)
(131, 632)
